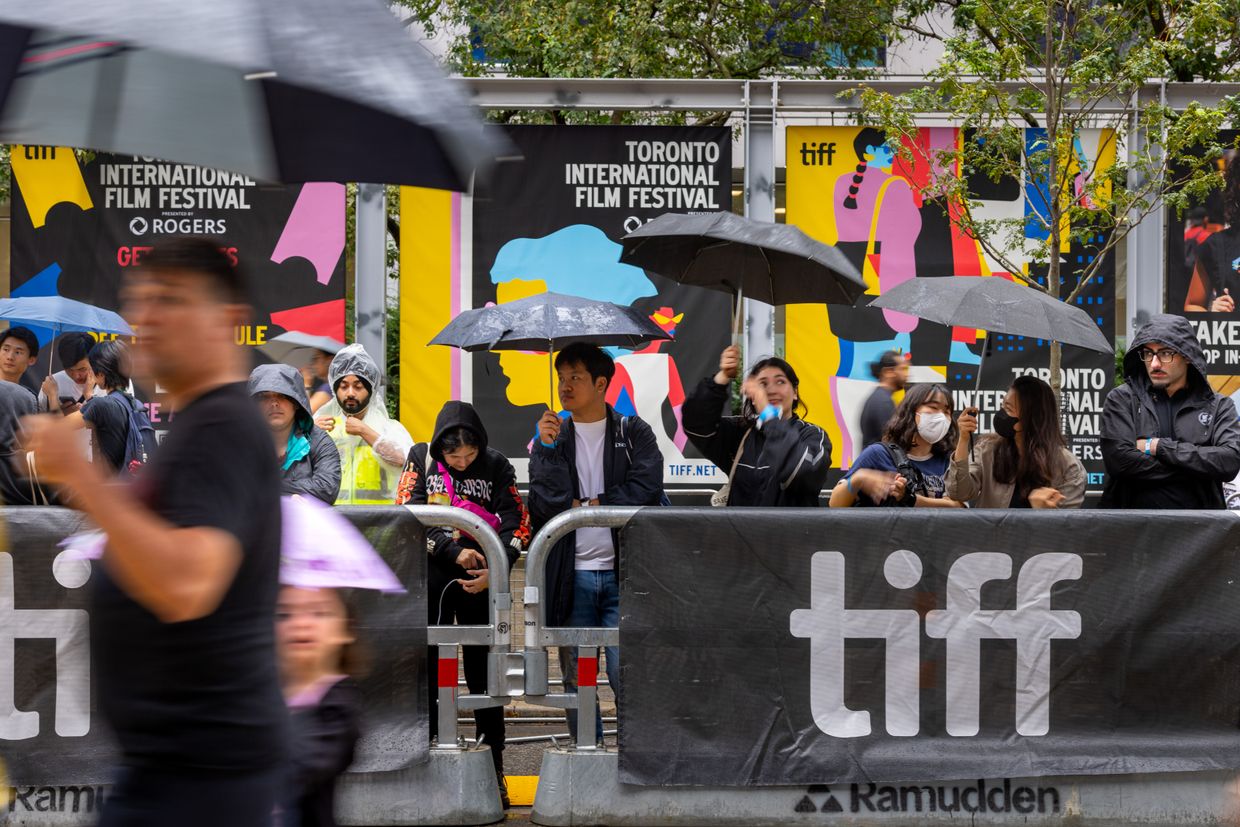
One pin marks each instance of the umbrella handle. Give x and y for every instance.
(738, 316)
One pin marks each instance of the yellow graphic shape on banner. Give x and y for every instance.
(1091, 156)
(808, 344)
(529, 374)
(47, 176)
(427, 284)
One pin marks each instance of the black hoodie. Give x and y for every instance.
(1202, 452)
(489, 481)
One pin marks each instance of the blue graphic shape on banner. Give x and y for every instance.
(45, 283)
(578, 260)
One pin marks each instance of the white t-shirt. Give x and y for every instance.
(68, 388)
(595, 550)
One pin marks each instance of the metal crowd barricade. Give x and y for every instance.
(538, 636)
(457, 786)
(497, 635)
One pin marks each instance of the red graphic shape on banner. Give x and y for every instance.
(325, 319)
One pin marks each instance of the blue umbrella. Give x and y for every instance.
(61, 314)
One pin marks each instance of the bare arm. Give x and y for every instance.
(178, 574)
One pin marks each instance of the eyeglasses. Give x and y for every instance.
(1165, 355)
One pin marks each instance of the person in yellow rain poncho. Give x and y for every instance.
(372, 446)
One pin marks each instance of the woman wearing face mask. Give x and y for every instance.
(775, 457)
(1025, 463)
(909, 467)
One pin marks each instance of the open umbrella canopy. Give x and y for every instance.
(299, 90)
(996, 305)
(773, 263)
(62, 315)
(296, 348)
(549, 322)
(319, 549)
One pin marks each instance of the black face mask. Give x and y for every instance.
(1005, 424)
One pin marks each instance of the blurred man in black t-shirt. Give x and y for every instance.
(183, 610)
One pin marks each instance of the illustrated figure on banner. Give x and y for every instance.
(580, 260)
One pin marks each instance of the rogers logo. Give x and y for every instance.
(138, 225)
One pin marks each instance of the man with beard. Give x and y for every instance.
(372, 446)
(1168, 440)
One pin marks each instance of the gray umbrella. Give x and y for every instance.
(548, 322)
(331, 90)
(995, 305)
(773, 263)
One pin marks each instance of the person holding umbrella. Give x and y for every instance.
(590, 456)
(1024, 463)
(776, 457)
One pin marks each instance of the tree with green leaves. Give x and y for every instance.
(1064, 66)
(657, 39)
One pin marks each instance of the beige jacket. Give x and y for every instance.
(973, 480)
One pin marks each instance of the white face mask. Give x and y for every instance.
(933, 427)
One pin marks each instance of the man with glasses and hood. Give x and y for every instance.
(373, 447)
(309, 461)
(1168, 440)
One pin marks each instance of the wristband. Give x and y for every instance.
(848, 484)
(769, 412)
(1147, 447)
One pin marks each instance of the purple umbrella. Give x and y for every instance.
(319, 549)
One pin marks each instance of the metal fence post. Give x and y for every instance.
(587, 697)
(538, 636)
(446, 673)
(496, 635)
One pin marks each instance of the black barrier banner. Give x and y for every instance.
(887, 645)
(51, 731)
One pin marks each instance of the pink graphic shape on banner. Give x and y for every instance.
(315, 229)
(324, 319)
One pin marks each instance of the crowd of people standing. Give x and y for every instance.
(188, 589)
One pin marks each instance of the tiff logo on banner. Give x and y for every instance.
(70, 629)
(963, 624)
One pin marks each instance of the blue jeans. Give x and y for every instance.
(596, 603)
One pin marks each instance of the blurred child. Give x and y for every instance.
(319, 662)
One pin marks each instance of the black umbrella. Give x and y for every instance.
(995, 305)
(548, 322)
(298, 90)
(773, 263)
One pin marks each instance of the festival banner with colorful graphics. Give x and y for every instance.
(892, 233)
(553, 223)
(431, 288)
(1203, 280)
(77, 228)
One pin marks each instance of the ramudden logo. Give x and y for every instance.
(996, 797)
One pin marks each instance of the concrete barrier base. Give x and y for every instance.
(452, 788)
(584, 789)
